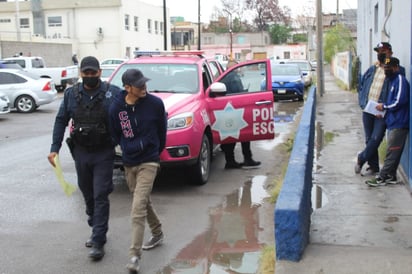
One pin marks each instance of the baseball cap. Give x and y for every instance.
(391, 62)
(89, 63)
(383, 45)
(134, 77)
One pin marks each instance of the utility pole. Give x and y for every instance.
(164, 25)
(337, 11)
(319, 47)
(18, 20)
(230, 33)
(198, 25)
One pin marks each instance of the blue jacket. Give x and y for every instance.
(365, 84)
(139, 129)
(69, 105)
(397, 103)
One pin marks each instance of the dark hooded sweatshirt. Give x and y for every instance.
(139, 129)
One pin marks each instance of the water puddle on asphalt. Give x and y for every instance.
(284, 118)
(230, 245)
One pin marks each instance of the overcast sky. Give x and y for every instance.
(189, 8)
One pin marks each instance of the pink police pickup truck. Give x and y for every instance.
(202, 112)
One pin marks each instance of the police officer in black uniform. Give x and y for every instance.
(86, 105)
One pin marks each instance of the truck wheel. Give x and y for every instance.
(201, 170)
(25, 104)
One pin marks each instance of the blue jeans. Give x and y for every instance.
(374, 129)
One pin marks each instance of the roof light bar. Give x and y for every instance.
(139, 53)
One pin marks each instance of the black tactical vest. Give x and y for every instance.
(90, 129)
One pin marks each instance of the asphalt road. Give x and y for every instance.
(214, 228)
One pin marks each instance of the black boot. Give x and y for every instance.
(96, 253)
(250, 163)
(229, 150)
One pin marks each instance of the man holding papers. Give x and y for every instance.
(373, 88)
(397, 122)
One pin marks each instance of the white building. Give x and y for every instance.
(104, 28)
(388, 21)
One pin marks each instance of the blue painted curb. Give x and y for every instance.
(293, 207)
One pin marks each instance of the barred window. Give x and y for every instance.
(24, 23)
(54, 21)
(126, 22)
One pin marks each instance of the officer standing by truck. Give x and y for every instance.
(86, 104)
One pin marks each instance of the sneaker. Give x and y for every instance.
(233, 165)
(133, 265)
(391, 180)
(153, 242)
(251, 164)
(378, 181)
(369, 172)
(358, 165)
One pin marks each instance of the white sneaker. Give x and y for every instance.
(369, 172)
(134, 264)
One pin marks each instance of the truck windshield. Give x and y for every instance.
(176, 78)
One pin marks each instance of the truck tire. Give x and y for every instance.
(201, 170)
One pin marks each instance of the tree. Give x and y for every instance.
(267, 12)
(279, 34)
(229, 17)
(338, 38)
(300, 37)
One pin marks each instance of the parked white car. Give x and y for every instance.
(113, 61)
(107, 71)
(4, 103)
(26, 91)
(61, 75)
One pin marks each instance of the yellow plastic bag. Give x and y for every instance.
(67, 187)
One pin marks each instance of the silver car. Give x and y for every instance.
(25, 90)
(4, 103)
(304, 65)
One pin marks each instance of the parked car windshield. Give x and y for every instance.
(176, 78)
(303, 65)
(284, 69)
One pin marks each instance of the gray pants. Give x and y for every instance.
(395, 144)
(140, 180)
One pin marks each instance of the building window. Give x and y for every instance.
(126, 22)
(5, 20)
(156, 27)
(149, 25)
(24, 23)
(161, 28)
(54, 21)
(136, 23)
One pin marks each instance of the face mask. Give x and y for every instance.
(381, 57)
(91, 82)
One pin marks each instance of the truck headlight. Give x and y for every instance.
(180, 121)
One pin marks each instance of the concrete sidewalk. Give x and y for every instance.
(357, 229)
